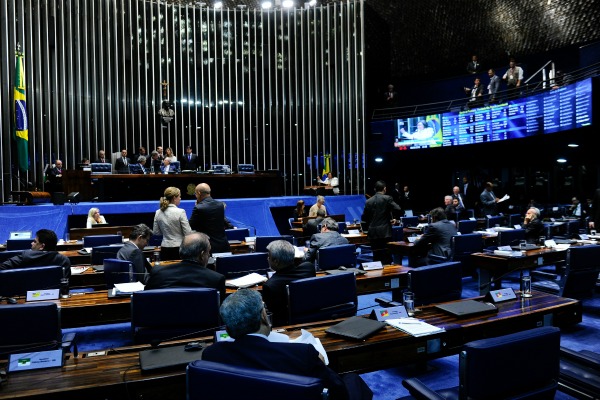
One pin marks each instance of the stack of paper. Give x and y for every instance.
(129, 287)
(249, 280)
(413, 326)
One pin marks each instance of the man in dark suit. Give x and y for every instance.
(43, 253)
(281, 260)
(245, 317)
(133, 251)
(312, 225)
(54, 176)
(101, 158)
(191, 271)
(189, 161)
(154, 163)
(208, 217)
(489, 201)
(121, 165)
(437, 236)
(378, 217)
(329, 236)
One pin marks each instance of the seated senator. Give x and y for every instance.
(312, 225)
(133, 250)
(281, 260)
(94, 217)
(436, 239)
(168, 168)
(533, 225)
(43, 253)
(329, 236)
(245, 317)
(191, 271)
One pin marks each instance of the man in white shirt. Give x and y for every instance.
(331, 181)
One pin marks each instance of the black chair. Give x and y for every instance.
(491, 222)
(462, 246)
(321, 298)
(465, 226)
(333, 257)
(236, 265)
(100, 253)
(163, 314)
(155, 240)
(510, 237)
(261, 243)
(18, 244)
(212, 380)
(578, 278)
(579, 373)
(436, 283)
(101, 240)
(237, 234)
(32, 327)
(7, 255)
(569, 230)
(135, 169)
(16, 282)
(117, 271)
(409, 221)
(522, 365)
(515, 219)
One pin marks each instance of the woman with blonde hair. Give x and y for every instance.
(94, 218)
(169, 154)
(171, 222)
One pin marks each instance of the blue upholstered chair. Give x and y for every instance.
(212, 380)
(322, 297)
(163, 314)
(6, 255)
(261, 243)
(99, 253)
(436, 283)
(101, 168)
(515, 219)
(117, 271)
(462, 246)
(18, 244)
(16, 282)
(333, 257)
(499, 220)
(237, 234)
(236, 265)
(410, 221)
(101, 240)
(522, 365)
(465, 226)
(32, 327)
(577, 279)
(511, 237)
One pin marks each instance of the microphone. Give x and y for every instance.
(154, 343)
(492, 281)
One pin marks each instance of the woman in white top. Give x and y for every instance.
(423, 132)
(94, 218)
(170, 155)
(171, 222)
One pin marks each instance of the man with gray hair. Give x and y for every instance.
(191, 271)
(281, 260)
(320, 204)
(329, 236)
(245, 317)
(533, 225)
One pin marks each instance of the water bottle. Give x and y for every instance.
(156, 258)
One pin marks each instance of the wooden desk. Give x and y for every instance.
(407, 249)
(117, 374)
(79, 233)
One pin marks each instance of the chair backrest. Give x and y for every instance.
(466, 226)
(99, 253)
(436, 283)
(102, 168)
(462, 246)
(176, 165)
(101, 240)
(212, 380)
(155, 240)
(135, 169)
(29, 327)
(533, 356)
(342, 227)
(237, 234)
(410, 221)
(16, 282)
(510, 237)
(117, 271)
(571, 229)
(237, 265)
(261, 243)
(336, 298)
(6, 255)
(397, 233)
(491, 222)
(163, 314)
(333, 257)
(515, 219)
(291, 221)
(18, 244)
(581, 272)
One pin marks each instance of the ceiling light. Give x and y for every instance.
(378, 159)
(573, 145)
(266, 5)
(287, 3)
(561, 160)
(218, 4)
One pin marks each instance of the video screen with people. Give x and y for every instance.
(418, 132)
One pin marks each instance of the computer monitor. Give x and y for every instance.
(245, 168)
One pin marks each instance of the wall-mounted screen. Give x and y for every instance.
(420, 132)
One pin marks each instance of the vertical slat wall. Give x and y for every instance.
(278, 89)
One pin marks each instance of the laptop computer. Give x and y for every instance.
(168, 357)
(356, 328)
(20, 235)
(467, 308)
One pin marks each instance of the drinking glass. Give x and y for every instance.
(526, 286)
(409, 303)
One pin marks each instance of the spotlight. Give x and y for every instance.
(266, 5)
(287, 4)
(218, 4)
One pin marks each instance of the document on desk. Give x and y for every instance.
(413, 326)
(305, 337)
(129, 287)
(298, 251)
(247, 281)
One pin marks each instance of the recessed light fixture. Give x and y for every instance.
(573, 145)
(266, 5)
(218, 4)
(378, 159)
(287, 3)
(561, 160)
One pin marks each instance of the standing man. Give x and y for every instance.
(122, 163)
(101, 158)
(378, 216)
(489, 201)
(513, 78)
(208, 217)
(493, 86)
(141, 152)
(189, 161)
(54, 176)
(159, 151)
(133, 251)
(390, 96)
(155, 163)
(456, 195)
(312, 212)
(474, 66)
(475, 94)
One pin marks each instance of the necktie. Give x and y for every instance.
(102, 160)
(124, 161)
(189, 157)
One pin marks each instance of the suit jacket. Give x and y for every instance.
(378, 215)
(99, 161)
(324, 239)
(488, 203)
(38, 258)
(312, 226)
(54, 179)
(274, 291)
(534, 230)
(189, 164)
(172, 224)
(293, 358)
(438, 235)
(141, 266)
(208, 217)
(187, 273)
(494, 86)
(120, 165)
(172, 169)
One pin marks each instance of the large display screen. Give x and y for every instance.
(556, 110)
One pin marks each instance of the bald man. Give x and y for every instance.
(208, 217)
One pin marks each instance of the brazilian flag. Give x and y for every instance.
(326, 168)
(21, 122)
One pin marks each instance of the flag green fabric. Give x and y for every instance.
(326, 168)
(21, 122)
